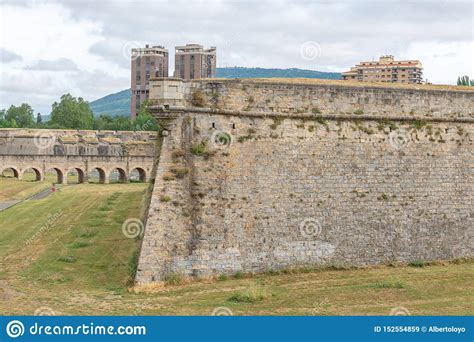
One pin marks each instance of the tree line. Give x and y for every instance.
(74, 113)
(465, 81)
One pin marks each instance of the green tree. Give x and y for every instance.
(39, 119)
(144, 120)
(3, 121)
(116, 123)
(465, 81)
(21, 116)
(72, 112)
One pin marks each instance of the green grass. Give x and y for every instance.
(418, 263)
(68, 259)
(174, 279)
(66, 243)
(65, 253)
(13, 189)
(252, 294)
(388, 285)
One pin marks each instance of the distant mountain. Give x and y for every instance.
(113, 104)
(119, 103)
(241, 72)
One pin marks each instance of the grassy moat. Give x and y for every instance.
(67, 253)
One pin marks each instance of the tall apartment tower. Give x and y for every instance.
(193, 61)
(386, 69)
(147, 62)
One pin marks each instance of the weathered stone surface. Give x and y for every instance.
(81, 151)
(286, 191)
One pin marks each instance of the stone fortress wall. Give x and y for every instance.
(64, 151)
(256, 175)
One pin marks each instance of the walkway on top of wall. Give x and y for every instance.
(305, 116)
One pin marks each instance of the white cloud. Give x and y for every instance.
(445, 61)
(8, 56)
(60, 64)
(83, 42)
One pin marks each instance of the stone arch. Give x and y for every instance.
(139, 173)
(101, 175)
(14, 170)
(37, 173)
(118, 174)
(80, 174)
(59, 174)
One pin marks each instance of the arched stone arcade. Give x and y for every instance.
(32, 173)
(77, 156)
(58, 174)
(77, 173)
(9, 171)
(97, 175)
(117, 175)
(138, 174)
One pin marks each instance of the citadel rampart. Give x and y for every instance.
(82, 152)
(261, 174)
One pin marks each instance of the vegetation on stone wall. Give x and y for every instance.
(198, 99)
(199, 149)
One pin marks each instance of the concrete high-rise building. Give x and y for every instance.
(193, 61)
(386, 69)
(147, 62)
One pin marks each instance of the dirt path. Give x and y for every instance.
(39, 195)
(7, 204)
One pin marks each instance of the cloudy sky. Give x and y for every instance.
(48, 48)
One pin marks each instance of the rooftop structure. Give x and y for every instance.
(192, 61)
(386, 69)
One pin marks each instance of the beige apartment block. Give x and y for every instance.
(193, 62)
(146, 63)
(386, 69)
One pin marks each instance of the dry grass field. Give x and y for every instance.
(66, 254)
